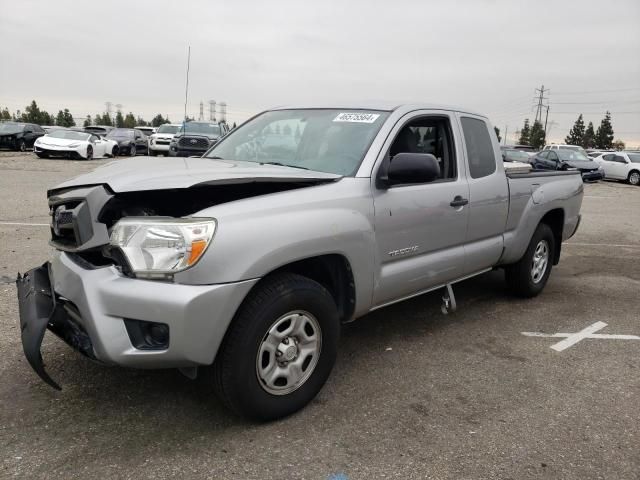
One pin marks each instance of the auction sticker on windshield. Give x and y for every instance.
(357, 117)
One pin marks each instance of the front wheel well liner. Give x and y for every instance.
(333, 272)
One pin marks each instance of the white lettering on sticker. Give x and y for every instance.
(357, 117)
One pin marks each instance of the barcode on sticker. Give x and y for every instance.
(357, 117)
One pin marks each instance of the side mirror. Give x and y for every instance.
(28, 130)
(405, 168)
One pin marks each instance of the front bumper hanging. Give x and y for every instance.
(37, 306)
(40, 309)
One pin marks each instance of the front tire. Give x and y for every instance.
(634, 178)
(42, 155)
(528, 277)
(279, 349)
(153, 153)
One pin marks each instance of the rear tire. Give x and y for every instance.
(153, 153)
(22, 146)
(258, 343)
(89, 153)
(634, 177)
(528, 277)
(132, 151)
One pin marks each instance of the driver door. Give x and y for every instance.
(98, 146)
(420, 235)
(619, 167)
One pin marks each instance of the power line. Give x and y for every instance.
(589, 92)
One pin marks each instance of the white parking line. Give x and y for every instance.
(571, 339)
(26, 224)
(601, 245)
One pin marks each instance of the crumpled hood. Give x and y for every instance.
(582, 164)
(153, 173)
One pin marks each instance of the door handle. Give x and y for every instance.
(458, 201)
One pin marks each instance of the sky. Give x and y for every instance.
(487, 56)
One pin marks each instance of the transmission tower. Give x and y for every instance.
(540, 105)
(201, 116)
(212, 110)
(223, 111)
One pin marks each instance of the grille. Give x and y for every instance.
(162, 142)
(62, 223)
(194, 142)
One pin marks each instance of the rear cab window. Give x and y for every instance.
(480, 153)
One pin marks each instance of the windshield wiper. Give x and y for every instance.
(283, 165)
(215, 158)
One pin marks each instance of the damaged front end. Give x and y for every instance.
(40, 309)
(83, 218)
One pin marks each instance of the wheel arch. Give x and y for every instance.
(332, 271)
(555, 220)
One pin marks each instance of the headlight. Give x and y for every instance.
(157, 248)
(73, 145)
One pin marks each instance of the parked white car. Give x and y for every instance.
(621, 166)
(73, 144)
(160, 140)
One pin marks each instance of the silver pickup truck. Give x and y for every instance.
(248, 259)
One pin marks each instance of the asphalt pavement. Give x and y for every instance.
(414, 394)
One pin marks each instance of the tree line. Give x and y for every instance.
(33, 114)
(587, 137)
(64, 118)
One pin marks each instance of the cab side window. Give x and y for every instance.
(428, 135)
(480, 154)
(553, 156)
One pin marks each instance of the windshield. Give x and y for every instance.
(566, 154)
(173, 129)
(69, 135)
(201, 128)
(332, 141)
(515, 156)
(120, 133)
(11, 127)
(634, 157)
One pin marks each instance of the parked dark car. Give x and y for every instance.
(510, 154)
(19, 136)
(195, 138)
(564, 159)
(131, 141)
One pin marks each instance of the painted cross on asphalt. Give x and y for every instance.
(570, 339)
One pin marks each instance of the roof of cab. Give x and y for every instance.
(378, 105)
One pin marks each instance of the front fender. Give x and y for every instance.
(259, 235)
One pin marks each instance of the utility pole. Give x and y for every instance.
(546, 118)
(186, 88)
(540, 105)
(201, 116)
(504, 139)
